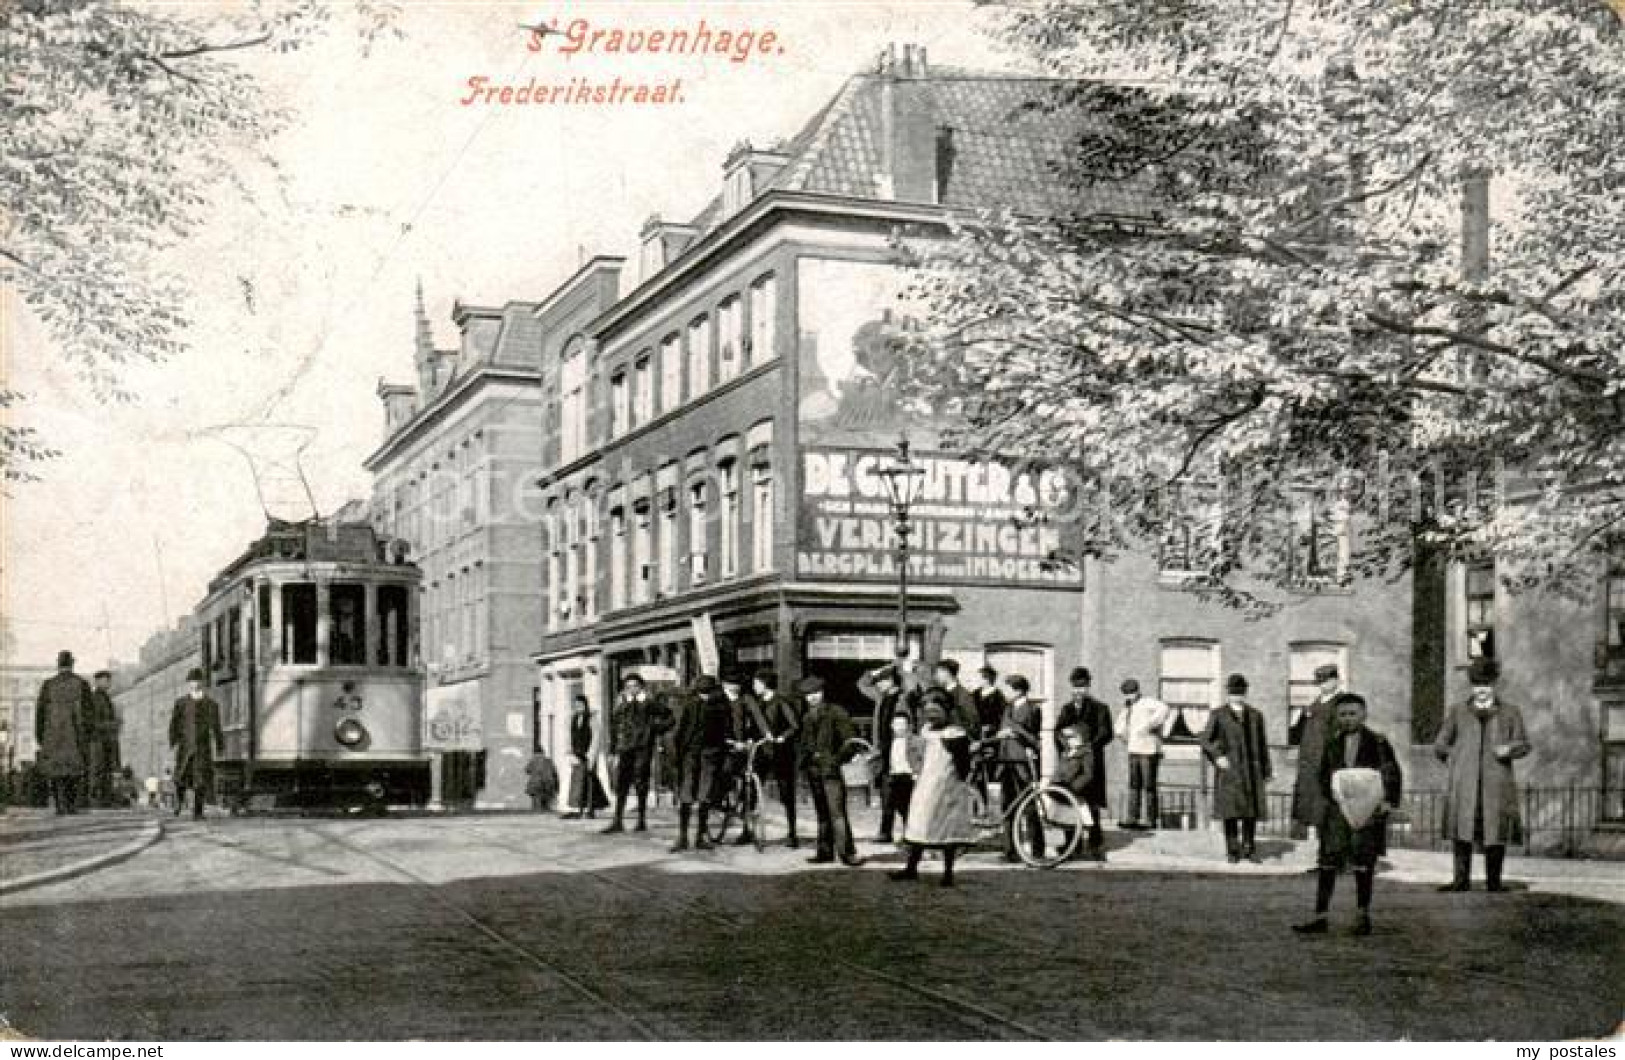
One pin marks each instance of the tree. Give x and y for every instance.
(121, 121)
(1287, 331)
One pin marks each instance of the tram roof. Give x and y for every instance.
(310, 541)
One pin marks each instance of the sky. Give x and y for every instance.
(303, 278)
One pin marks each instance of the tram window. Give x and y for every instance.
(393, 641)
(234, 641)
(299, 623)
(349, 607)
(265, 607)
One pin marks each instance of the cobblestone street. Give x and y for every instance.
(520, 927)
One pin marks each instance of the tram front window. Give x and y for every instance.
(299, 623)
(349, 613)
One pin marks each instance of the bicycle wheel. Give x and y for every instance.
(723, 814)
(755, 820)
(1047, 823)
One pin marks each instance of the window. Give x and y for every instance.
(299, 623)
(1301, 688)
(671, 372)
(730, 338)
(652, 257)
(1612, 648)
(347, 603)
(642, 574)
(573, 402)
(697, 538)
(643, 389)
(617, 558)
(763, 321)
(554, 530)
(761, 511)
(699, 357)
(393, 631)
(729, 519)
(1189, 682)
(567, 590)
(1479, 616)
(1030, 661)
(668, 542)
(620, 407)
(736, 189)
(1191, 536)
(1318, 549)
(587, 597)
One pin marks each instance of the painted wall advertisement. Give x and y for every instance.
(974, 522)
(451, 718)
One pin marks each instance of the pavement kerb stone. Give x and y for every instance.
(151, 832)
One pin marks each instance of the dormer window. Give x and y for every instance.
(736, 190)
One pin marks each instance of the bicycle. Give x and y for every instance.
(1044, 823)
(742, 800)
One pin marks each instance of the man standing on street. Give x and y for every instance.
(1144, 721)
(884, 687)
(1017, 734)
(102, 758)
(749, 726)
(1480, 739)
(62, 732)
(1352, 843)
(826, 746)
(1234, 742)
(1308, 729)
(635, 722)
(704, 730)
(196, 738)
(1091, 721)
(784, 725)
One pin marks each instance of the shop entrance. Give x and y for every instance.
(840, 657)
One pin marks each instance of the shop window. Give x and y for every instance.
(1301, 687)
(1479, 613)
(394, 631)
(1189, 682)
(299, 623)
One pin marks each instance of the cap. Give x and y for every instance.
(104, 673)
(1130, 687)
(811, 684)
(1351, 697)
(1081, 676)
(1483, 672)
(1326, 672)
(194, 674)
(1236, 685)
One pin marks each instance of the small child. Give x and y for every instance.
(1073, 772)
(907, 756)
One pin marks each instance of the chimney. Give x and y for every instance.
(910, 152)
(663, 243)
(400, 401)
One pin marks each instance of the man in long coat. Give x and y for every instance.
(884, 687)
(102, 758)
(704, 729)
(1234, 741)
(1342, 843)
(1480, 739)
(783, 717)
(826, 746)
(1309, 728)
(1092, 721)
(196, 738)
(62, 732)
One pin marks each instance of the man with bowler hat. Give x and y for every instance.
(826, 746)
(1234, 742)
(1091, 721)
(196, 738)
(1479, 741)
(62, 717)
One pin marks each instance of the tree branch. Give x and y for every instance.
(1363, 196)
(1462, 338)
(206, 49)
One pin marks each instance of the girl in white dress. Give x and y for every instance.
(939, 811)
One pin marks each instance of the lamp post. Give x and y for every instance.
(902, 478)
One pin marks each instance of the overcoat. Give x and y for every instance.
(62, 725)
(196, 737)
(1241, 790)
(1092, 719)
(1341, 844)
(1313, 729)
(826, 741)
(1479, 779)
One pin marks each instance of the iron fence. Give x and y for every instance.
(1557, 821)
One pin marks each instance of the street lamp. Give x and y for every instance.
(903, 479)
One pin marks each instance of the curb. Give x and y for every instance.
(151, 832)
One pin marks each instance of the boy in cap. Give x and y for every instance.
(1091, 720)
(1234, 742)
(826, 746)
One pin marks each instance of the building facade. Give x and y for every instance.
(453, 480)
(19, 692)
(144, 695)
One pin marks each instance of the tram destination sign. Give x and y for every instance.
(974, 522)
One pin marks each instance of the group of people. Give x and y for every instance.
(76, 730)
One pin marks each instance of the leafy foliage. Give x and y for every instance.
(1288, 330)
(121, 121)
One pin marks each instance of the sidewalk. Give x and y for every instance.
(38, 847)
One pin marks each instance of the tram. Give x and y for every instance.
(308, 642)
